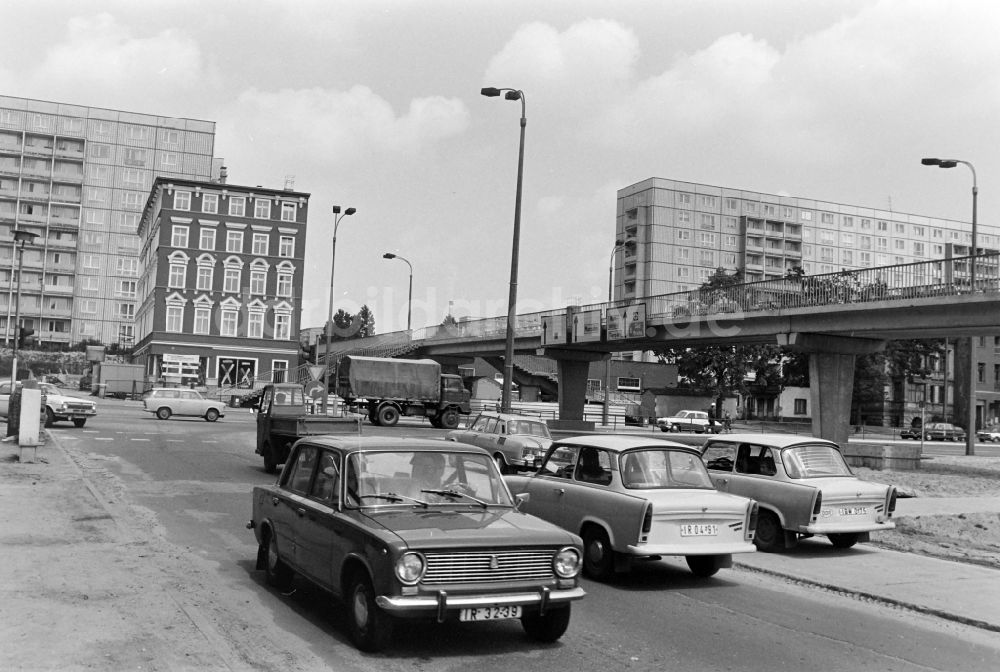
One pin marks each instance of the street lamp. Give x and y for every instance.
(970, 383)
(409, 301)
(337, 216)
(619, 244)
(20, 239)
(508, 362)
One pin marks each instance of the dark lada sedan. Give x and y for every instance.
(404, 528)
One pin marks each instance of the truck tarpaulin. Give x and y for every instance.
(377, 378)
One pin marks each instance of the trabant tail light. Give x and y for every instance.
(890, 504)
(647, 520)
(818, 506)
(753, 513)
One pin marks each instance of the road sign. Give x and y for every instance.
(627, 322)
(313, 389)
(316, 371)
(553, 329)
(587, 326)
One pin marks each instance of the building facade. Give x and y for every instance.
(681, 232)
(219, 283)
(78, 177)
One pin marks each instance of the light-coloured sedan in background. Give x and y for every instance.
(631, 497)
(804, 487)
(688, 421)
(168, 401)
(516, 442)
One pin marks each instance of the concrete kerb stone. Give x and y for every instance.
(883, 456)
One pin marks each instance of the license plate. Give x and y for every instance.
(853, 511)
(699, 530)
(490, 613)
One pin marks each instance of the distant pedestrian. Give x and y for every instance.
(727, 422)
(711, 420)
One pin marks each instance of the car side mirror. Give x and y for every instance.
(521, 499)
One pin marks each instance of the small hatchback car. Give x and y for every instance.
(167, 401)
(517, 442)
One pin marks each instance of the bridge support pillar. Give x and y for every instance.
(573, 367)
(831, 378)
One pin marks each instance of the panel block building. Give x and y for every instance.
(79, 177)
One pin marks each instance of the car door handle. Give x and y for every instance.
(559, 491)
(300, 511)
(275, 501)
(724, 481)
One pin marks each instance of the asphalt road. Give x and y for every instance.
(196, 478)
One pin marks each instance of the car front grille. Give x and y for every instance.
(79, 408)
(484, 566)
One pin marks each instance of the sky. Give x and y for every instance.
(376, 105)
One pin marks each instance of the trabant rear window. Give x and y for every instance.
(814, 461)
(657, 468)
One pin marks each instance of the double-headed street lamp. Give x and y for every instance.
(337, 216)
(619, 244)
(972, 368)
(409, 301)
(21, 238)
(508, 362)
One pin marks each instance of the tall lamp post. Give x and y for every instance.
(409, 300)
(20, 239)
(508, 361)
(337, 216)
(970, 382)
(619, 244)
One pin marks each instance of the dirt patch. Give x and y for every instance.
(964, 537)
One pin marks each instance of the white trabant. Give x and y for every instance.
(631, 496)
(804, 487)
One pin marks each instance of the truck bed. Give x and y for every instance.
(311, 425)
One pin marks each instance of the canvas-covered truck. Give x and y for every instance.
(123, 381)
(283, 418)
(389, 388)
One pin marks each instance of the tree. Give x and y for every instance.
(366, 322)
(347, 326)
(900, 361)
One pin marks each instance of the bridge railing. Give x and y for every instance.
(936, 278)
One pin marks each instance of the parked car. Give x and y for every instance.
(517, 442)
(911, 432)
(688, 421)
(989, 434)
(414, 529)
(57, 406)
(804, 487)
(630, 497)
(943, 431)
(168, 401)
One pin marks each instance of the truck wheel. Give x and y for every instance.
(449, 419)
(387, 415)
(79, 422)
(211, 415)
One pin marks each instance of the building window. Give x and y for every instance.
(126, 310)
(683, 234)
(282, 326)
(227, 326)
(260, 241)
(127, 266)
(126, 289)
(237, 206)
(179, 236)
(800, 407)
(255, 324)
(207, 239)
(98, 151)
(258, 282)
(132, 200)
(288, 212)
(182, 200)
(279, 370)
(202, 320)
(175, 319)
(630, 384)
(286, 246)
(234, 241)
(284, 285)
(168, 160)
(826, 217)
(205, 277)
(138, 132)
(171, 137)
(134, 178)
(231, 281)
(210, 203)
(262, 208)
(176, 279)
(981, 372)
(806, 215)
(88, 306)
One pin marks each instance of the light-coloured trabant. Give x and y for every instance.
(632, 496)
(804, 487)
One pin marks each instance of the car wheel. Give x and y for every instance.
(163, 413)
(664, 428)
(845, 540)
(769, 536)
(388, 415)
(212, 415)
(79, 422)
(50, 417)
(703, 565)
(995, 439)
(449, 419)
(675, 428)
(547, 627)
(598, 557)
(501, 463)
(370, 627)
(277, 573)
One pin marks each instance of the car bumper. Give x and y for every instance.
(442, 602)
(843, 528)
(686, 549)
(73, 415)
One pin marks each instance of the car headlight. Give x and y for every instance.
(410, 567)
(566, 563)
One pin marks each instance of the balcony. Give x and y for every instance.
(53, 336)
(11, 168)
(8, 192)
(71, 178)
(60, 290)
(36, 171)
(33, 149)
(70, 153)
(36, 196)
(65, 222)
(31, 218)
(60, 243)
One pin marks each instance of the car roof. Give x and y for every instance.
(510, 416)
(623, 442)
(356, 442)
(769, 438)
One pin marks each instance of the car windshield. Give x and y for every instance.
(424, 478)
(528, 427)
(650, 468)
(814, 461)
